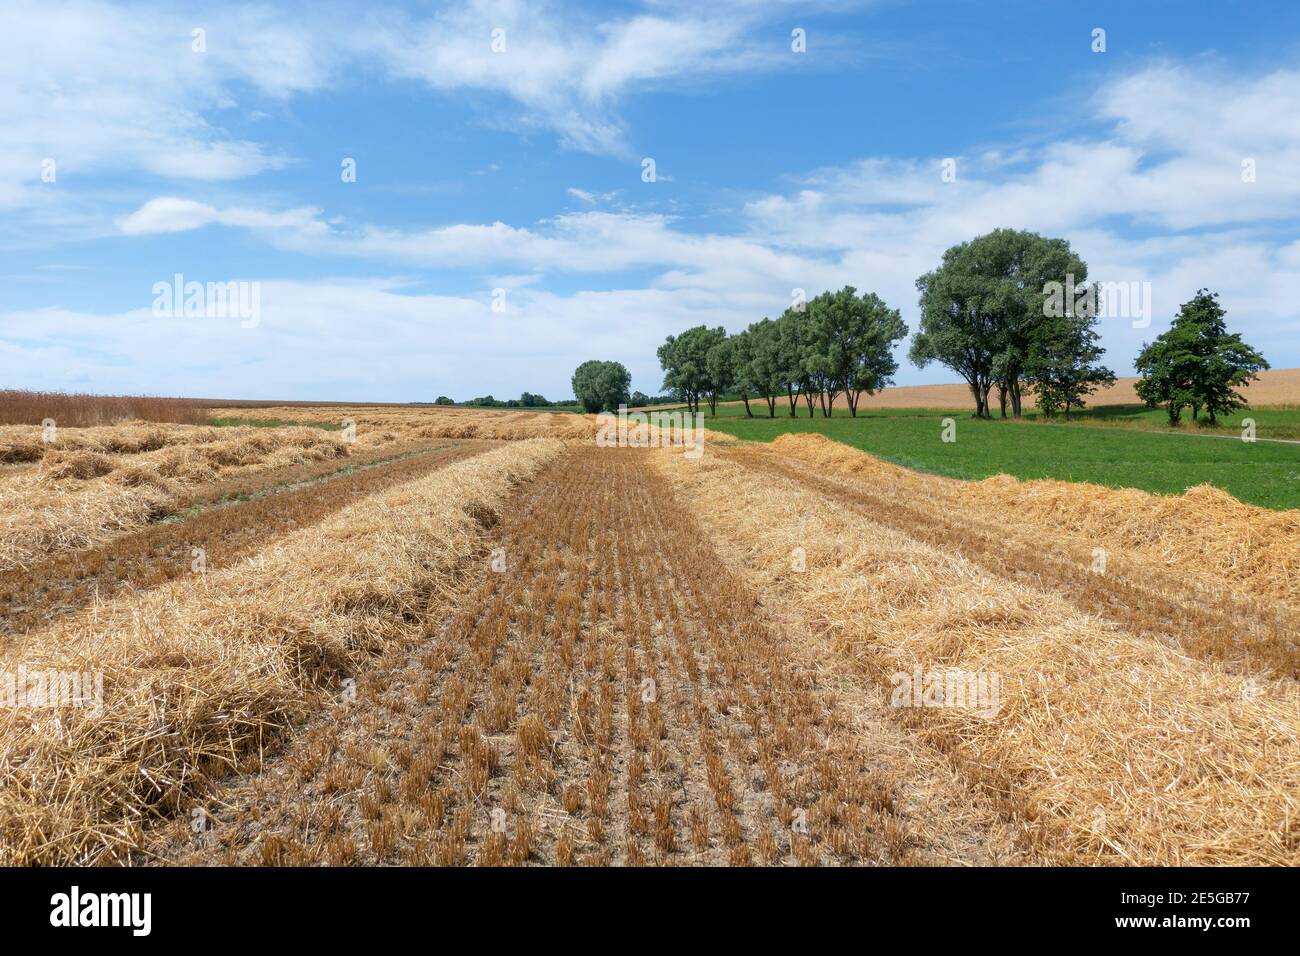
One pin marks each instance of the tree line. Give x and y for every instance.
(526, 400)
(1003, 311)
(838, 343)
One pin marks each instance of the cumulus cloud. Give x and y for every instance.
(98, 90)
(100, 87)
(1153, 192)
(880, 223)
(170, 214)
(309, 343)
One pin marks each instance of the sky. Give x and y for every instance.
(456, 199)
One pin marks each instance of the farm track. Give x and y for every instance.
(1247, 634)
(609, 694)
(283, 501)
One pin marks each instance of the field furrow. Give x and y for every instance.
(603, 691)
(236, 521)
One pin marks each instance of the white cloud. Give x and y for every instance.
(651, 48)
(1179, 218)
(104, 88)
(169, 214)
(310, 344)
(99, 90)
(563, 72)
(1154, 194)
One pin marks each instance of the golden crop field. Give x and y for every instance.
(452, 636)
(1273, 387)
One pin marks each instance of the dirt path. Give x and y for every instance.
(226, 533)
(605, 691)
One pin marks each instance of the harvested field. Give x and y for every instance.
(606, 695)
(1204, 533)
(234, 525)
(200, 674)
(91, 484)
(1105, 746)
(409, 425)
(473, 637)
(71, 409)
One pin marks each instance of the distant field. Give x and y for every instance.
(1275, 387)
(78, 409)
(1165, 462)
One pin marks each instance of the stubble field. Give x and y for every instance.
(475, 637)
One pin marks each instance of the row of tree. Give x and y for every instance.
(839, 343)
(998, 312)
(1003, 311)
(526, 400)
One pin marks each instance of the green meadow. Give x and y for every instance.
(1119, 446)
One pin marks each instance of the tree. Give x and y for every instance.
(824, 357)
(683, 370)
(794, 377)
(639, 400)
(720, 369)
(981, 308)
(761, 358)
(1061, 363)
(1197, 363)
(848, 346)
(601, 386)
(742, 347)
(443, 400)
(685, 361)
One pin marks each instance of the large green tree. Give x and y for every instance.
(685, 361)
(601, 386)
(848, 346)
(741, 373)
(983, 307)
(721, 366)
(1197, 363)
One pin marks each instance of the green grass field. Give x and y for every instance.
(1269, 422)
(1132, 451)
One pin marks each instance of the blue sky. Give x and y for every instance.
(521, 170)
